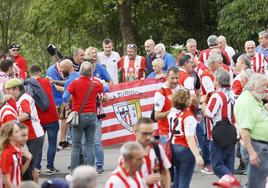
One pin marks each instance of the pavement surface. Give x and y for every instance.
(62, 162)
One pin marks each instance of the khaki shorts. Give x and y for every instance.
(62, 113)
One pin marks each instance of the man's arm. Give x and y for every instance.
(165, 179)
(6, 181)
(161, 115)
(253, 156)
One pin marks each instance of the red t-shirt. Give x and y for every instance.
(11, 164)
(79, 88)
(51, 114)
(22, 64)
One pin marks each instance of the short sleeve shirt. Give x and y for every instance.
(250, 114)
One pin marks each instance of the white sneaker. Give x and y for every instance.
(69, 177)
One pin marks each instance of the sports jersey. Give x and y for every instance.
(184, 123)
(219, 107)
(162, 103)
(26, 104)
(11, 161)
(207, 82)
(186, 80)
(132, 69)
(204, 54)
(237, 87)
(7, 113)
(201, 67)
(151, 164)
(121, 179)
(229, 70)
(259, 63)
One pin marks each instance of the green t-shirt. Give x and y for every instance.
(250, 114)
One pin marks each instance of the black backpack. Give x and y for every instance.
(35, 90)
(224, 132)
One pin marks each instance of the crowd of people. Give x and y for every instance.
(211, 109)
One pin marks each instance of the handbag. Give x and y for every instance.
(73, 117)
(167, 146)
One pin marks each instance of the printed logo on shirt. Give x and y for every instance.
(128, 113)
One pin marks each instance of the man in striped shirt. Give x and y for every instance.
(127, 175)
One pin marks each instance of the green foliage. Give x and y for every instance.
(242, 20)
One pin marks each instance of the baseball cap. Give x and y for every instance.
(55, 183)
(227, 181)
(14, 82)
(13, 45)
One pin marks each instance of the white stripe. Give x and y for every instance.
(140, 89)
(146, 101)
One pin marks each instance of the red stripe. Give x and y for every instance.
(224, 110)
(212, 104)
(123, 180)
(118, 140)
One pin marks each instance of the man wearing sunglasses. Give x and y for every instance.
(14, 52)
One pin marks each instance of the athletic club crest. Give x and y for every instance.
(128, 113)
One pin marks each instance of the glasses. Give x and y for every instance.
(132, 46)
(15, 50)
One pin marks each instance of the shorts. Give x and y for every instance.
(62, 113)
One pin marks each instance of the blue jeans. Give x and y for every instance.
(52, 134)
(184, 162)
(222, 159)
(257, 175)
(201, 133)
(98, 145)
(87, 126)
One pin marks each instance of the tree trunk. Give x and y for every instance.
(126, 24)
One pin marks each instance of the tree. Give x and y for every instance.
(242, 20)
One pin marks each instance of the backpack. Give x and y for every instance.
(35, 90)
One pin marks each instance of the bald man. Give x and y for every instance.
(223, 46)
(149, 48)
(258, 61)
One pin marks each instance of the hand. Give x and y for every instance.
(35, 175)
(51, 80)
(254, 159)
(27, 154)
(199, 161)
(266, 106)
(152, 178)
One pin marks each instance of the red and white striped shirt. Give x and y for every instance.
(259, 63)
(237, 87)
(121, 179)
(11, 164)
(26, 104)
(7, 113)
(186, 80)
(207, 82)
(218, 107)
(185, 123)
(162, 103)
(151, 162)
(204, 54)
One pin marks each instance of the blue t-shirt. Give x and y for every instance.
(152, 75)
(149, 65)
(169, 61)
(101, 73)
(71, 77)
(53, 73)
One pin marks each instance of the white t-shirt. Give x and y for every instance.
(111, 64)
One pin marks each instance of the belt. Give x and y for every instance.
(260, 141)
(87, 113)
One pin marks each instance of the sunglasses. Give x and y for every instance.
(15, 50)
(132, 46)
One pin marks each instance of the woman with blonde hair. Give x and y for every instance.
(184, 148)
(158, 73)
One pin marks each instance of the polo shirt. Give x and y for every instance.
(53, 72)
(22, 64)
(11, 164)
(250, 114)
(169, 61)
(51, 114)
(7, 113)
(101, 73)
(83, 84)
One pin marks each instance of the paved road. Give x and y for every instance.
(111, 155)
